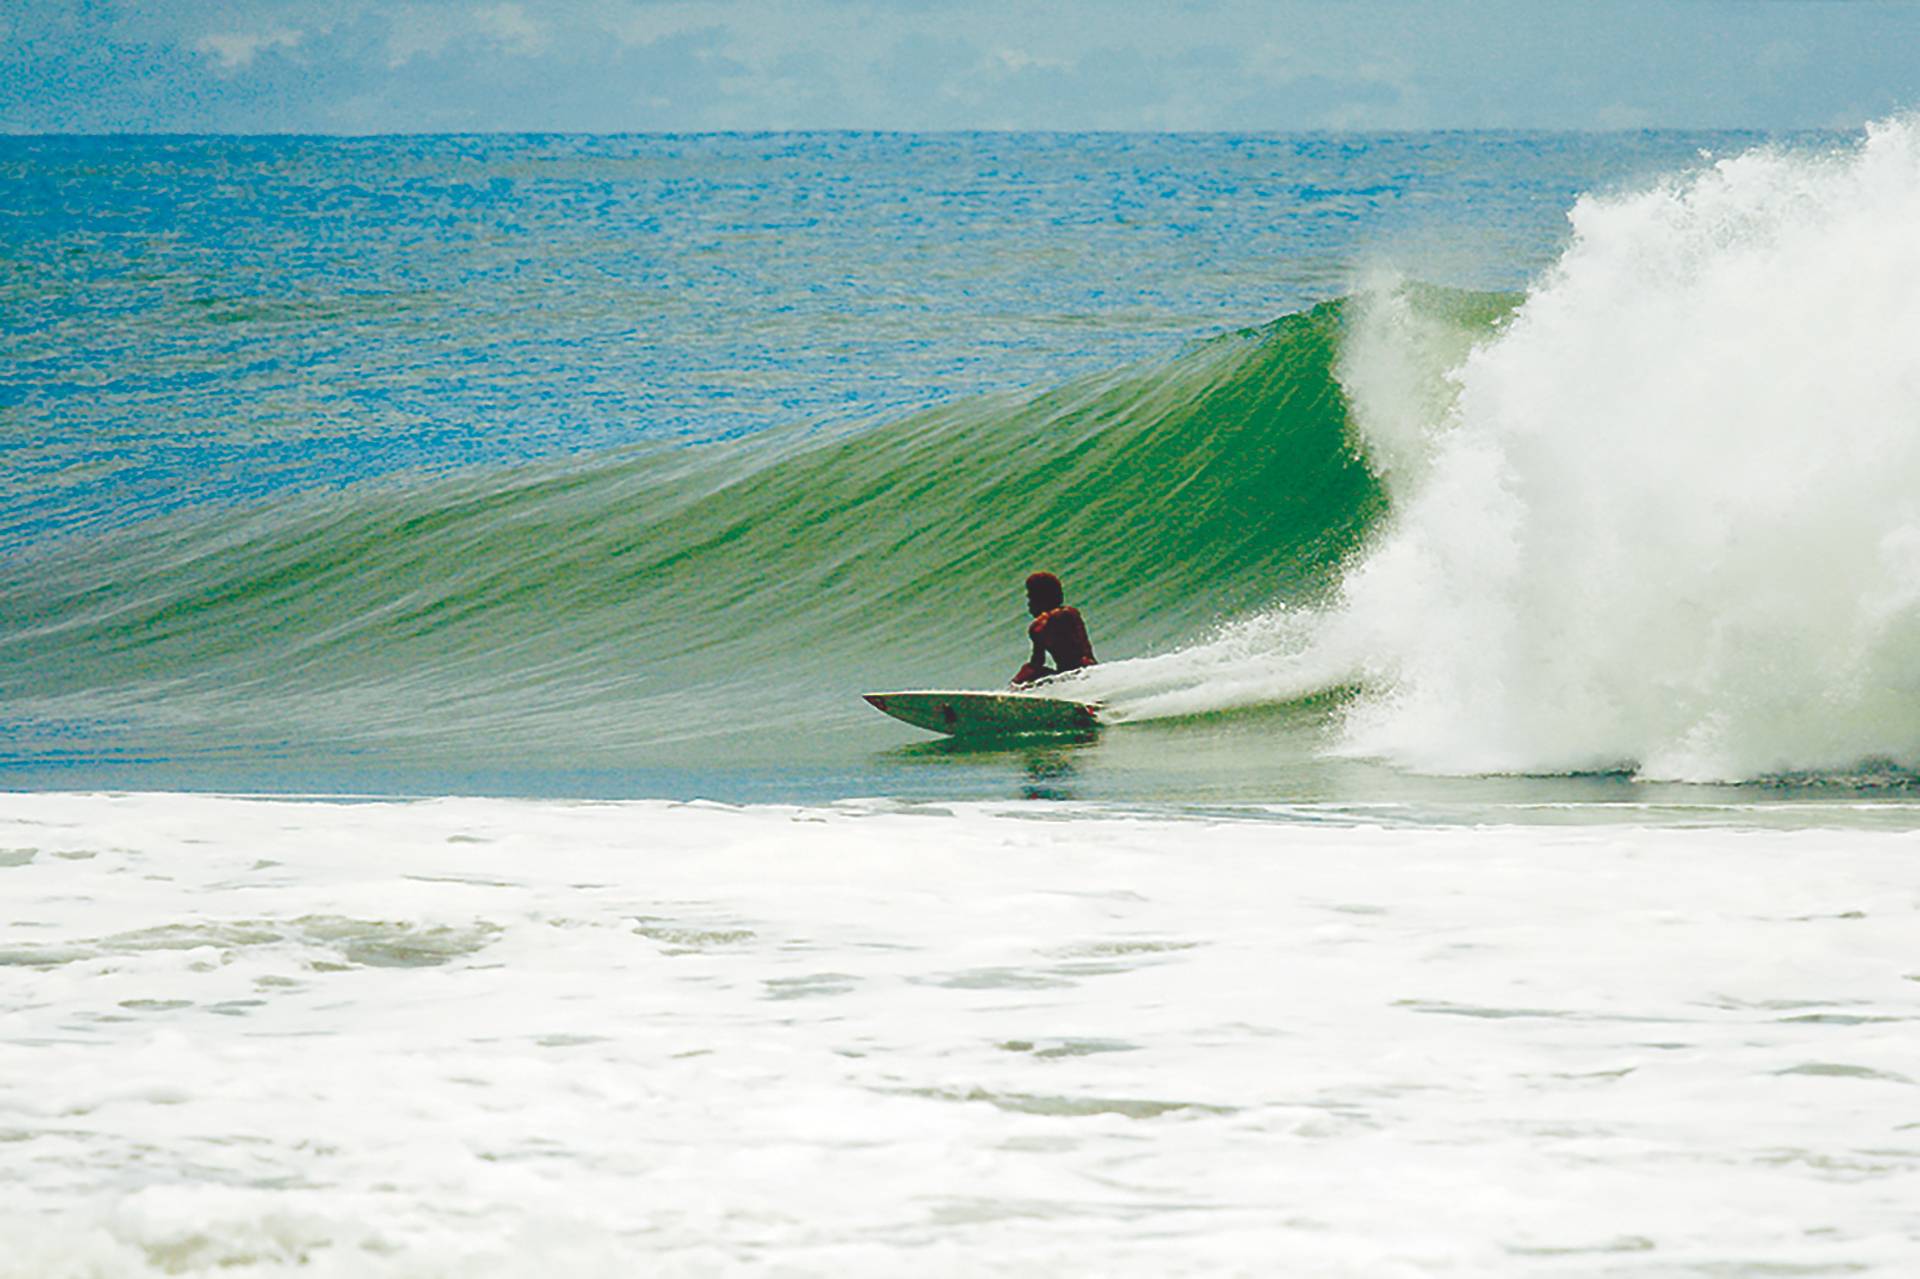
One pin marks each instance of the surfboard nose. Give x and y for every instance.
(876, 700)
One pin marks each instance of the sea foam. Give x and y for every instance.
(502, 1038)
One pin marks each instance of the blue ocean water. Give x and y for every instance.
(200, 320)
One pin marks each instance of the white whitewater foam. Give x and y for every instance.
(1666, 519)
(1670, 518)
(495, 1038)
(1254, 661)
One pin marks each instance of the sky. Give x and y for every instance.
(381, 66)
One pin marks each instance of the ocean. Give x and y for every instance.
(441, 831)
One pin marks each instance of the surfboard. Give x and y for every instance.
(974, 714)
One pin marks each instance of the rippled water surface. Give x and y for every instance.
(199, 319)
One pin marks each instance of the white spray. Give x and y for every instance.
(1667, 518)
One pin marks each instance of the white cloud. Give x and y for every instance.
(650, 24)
(509, 27)
(1017, 60)
(421, 31)
(418, 33)
(238, 49)
(1134, 63)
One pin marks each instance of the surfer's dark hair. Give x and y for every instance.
(1044, 589)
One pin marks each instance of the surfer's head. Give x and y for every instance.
(1043, 593)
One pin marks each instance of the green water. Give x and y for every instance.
(668, 607)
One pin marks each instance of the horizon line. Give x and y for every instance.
(1329, 132)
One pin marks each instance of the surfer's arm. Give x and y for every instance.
(1036, 667)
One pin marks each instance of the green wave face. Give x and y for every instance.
(629, 607)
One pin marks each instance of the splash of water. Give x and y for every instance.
(1666, 518)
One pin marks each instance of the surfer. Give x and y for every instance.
(1056, 632)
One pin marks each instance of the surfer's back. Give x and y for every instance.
(1062, 635)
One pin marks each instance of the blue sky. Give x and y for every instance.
(361, 66)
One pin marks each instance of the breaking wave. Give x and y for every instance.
(1659, 515)
(1662, 519)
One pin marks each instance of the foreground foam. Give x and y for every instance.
(486, 1037)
